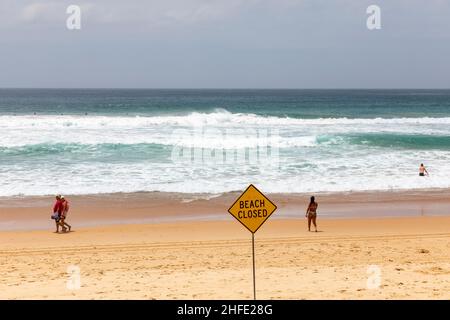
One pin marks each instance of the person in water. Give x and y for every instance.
(311, 213)
(423, 170)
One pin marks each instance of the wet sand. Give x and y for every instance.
(33, 213)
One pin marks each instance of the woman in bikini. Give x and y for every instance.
(311, 213)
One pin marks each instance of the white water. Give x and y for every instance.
(45, 154)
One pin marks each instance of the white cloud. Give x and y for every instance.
(165, 12)
(33, 11)
(43, 12)
(131, 12)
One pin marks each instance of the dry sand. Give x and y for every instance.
(212, 260)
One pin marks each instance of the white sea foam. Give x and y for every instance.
(316, 154)
(219, 118)
(219, 129)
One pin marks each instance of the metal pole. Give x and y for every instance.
(254, 279)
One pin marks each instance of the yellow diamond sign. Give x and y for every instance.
(252, 208)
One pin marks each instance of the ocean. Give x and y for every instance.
(214, 141)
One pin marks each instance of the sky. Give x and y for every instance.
(225, 44)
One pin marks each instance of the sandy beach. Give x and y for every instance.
(170, 131)
(202, 258)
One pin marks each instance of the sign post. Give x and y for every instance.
(252, 209)
(254, 277)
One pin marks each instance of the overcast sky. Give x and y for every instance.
(225, 44)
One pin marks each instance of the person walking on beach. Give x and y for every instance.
(311, 213)
(423, 170)
(64, 211)
(57, 210)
